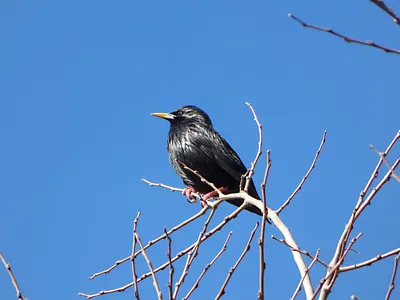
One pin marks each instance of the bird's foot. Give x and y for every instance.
(188, 192)
(211, 194)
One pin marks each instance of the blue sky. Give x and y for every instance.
(79, 81)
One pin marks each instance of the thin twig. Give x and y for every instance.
(134, 274)
(171, 266)
(218, 227)
(13, 279)
(231, 270)
(153, 274)
(345, 38)
(358, 209)
(382, 156)
(377, 188)
(389, 11)
(287, 202)
(171, 188)
(154, 241)
(261, 240)
(264, 183)
(192, 255)
(391, 284)
(297, 256)
(369, 261)
(196, 284)
(250, 173)
(334, 270)
(298, 289)
(300, 251)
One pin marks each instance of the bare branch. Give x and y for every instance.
(345, 38)
(261, 240)
(298, 289)
(287, 202)
(172, 189)
(296, 254)
(300, 251)
(231, 270)
(359, 208)
(264, 183)
(333, 272)
(155, 282)
(171, 266)
(382, 156)
(250, 173)
(13, 279)
(389, 11)
(205, 237)
(154, 241)
(369, 261)
(196, 284)
(192, 255)
(391, 285)
(376, 189)
(375, 172)
(134, 274)
(175, 258)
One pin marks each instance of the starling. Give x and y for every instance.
(192, 141)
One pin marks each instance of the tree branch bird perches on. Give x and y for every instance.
(192, 141)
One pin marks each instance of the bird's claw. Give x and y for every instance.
(188, 192)
(191, 201)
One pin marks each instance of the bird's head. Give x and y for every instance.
(186, 115)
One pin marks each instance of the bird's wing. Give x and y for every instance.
(223, 155)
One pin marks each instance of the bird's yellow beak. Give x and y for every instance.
(163, 116)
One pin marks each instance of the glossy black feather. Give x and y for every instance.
(193, 141)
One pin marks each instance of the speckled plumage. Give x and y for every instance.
(193, 141)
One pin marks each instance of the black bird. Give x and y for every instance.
(193, 141)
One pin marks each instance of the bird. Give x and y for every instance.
(193, 142)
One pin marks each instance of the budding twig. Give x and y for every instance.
(13, 279)
(345, 38)
(231, 270)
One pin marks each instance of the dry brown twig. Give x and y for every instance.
(171, 266)
(156, 240)
(298, 288)
(359, 208)
(345, 38)
(287, 202)
(210, 233)
(261, 240)
(13, 279)
(172, 189)
(250, 172)
(301, 251)
(192, 255)
(134, 274)
(387, 9)
(232, 270)
(391, 284)
(196, 284)
(333, 270)
(369, 261)
(382, 156)
(153, 274)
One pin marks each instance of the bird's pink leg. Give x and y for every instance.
(188, 193)
(211, 194)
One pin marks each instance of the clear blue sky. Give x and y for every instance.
(79, 81)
